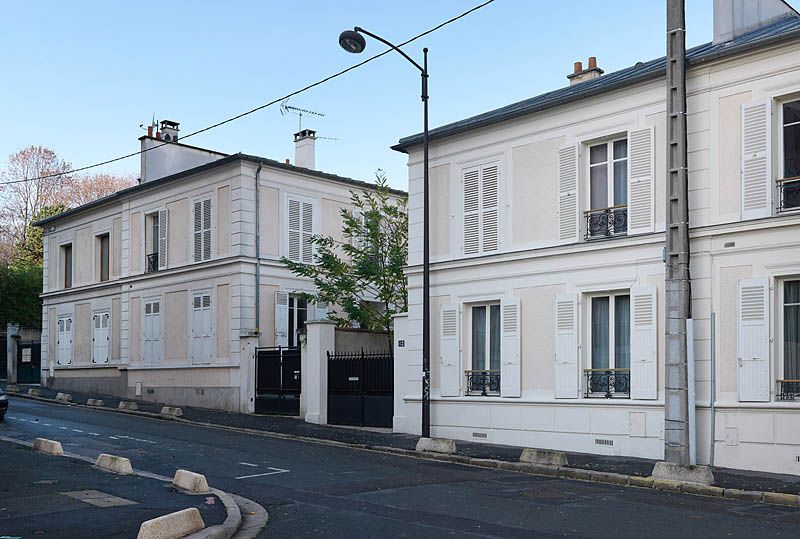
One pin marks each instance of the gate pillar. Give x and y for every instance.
(12, 344)
(320, 339)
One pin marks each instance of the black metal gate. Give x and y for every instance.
(29, 362)
(278, 381)
(3, 356)
(360, 389)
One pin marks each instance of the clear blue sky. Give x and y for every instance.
(81, 76)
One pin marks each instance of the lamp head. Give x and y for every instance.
(352, 41)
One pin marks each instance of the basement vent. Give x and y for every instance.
(479, 435)
(600, 441)
(729, 244)
(797, 458)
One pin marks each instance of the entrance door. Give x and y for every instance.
(29, 363)
(361, 389)
(278, 381)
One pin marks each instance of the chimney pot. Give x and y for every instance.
(592, 62)
(150, 131)
(578, 67)
(287, 162)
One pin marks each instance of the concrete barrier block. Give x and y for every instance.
(544, 456)
(95, 402)
(125, 405)
(173, 525)
(171, 411)
(64, 397)
(436, 445)
(702, 490)
(51, 447)
(113, 463)
(11, 388)
(688, 474)
(781, 498)
(35, 392)
(190, 481)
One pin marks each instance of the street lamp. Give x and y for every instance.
(353, 41)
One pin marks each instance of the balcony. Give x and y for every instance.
(788, 390)
(151, 263)
(484, 382)
(608, 383)
(606, 222)
(788, 194)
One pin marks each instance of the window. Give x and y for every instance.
(100, 337)
(298, 314)
(64, 341)
(66, 264)
(103, 256)
(155, 241)
(152, 332)
(608, 189)
(300, 230)
(202, 230)
(789, 184)
(610, 353)
(481, 209)
(201, 328)
(484, 378)
(789, 387)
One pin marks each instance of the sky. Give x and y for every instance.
(80, 77)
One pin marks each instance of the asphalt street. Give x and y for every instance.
(316, 490)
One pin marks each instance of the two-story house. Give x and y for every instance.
(547, 258)
(164, 290)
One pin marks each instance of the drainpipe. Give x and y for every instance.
(713, 384)
(258, 256)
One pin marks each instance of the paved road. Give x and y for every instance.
(313, 490)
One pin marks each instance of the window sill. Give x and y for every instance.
(89, 366)
(183, 366)
(533, 401)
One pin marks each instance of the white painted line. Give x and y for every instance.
(12, 417)
(63, 428)
(113, 437)
(93, 434)
(248, 464)
(77, 430)
(276, 471)
(47, 424)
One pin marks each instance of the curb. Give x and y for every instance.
(562, 472)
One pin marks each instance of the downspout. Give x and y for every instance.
(258, 255)
(713, 385)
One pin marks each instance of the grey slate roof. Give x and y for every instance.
(782, 30)
(142, 187)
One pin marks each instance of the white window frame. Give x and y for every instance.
(781, 153)
(62, 274)
(145, 302)
(610, 161)
(315, 217)
(96, 251)
(100, 313)
(587, 360)
(211, 229)
(779, 369)
(488, 304)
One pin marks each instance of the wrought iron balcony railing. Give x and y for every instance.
(606, 222)
(788, 194)
(484, 382)
(608, 383)
(788, 390)
(151, 263)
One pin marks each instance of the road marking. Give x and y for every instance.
(77, 430)
(275, 471)
(113, 437)
(93, 434)
(248, 464)
(63, 428)
(47, 424)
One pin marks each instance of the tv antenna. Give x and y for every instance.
(289, 109)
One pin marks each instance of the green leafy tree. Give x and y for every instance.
(32, 249)
(20, 286)
(361, 274)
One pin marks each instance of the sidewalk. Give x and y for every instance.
(292, 426)
(63, 497)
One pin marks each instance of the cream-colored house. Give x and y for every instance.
(163, 291)
(547, 247)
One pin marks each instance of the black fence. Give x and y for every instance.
(483, 382)
(606, 222)
(608, 383)
(788, 194)
(151, 265)
(278, 381)
(788, 390)
(361, 389)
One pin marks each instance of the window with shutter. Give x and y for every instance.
(64, 341)
(100, 337)
(641, 190)
(568, 194)
(152, 332)
(566, 356)
(643, 344)
(300, 230)
(281, 318)
(161, 253)
(511, 367)
(481, 207)
(202, 230)
(753, 340)
(756, 187)
(449, 356)
(201, 328)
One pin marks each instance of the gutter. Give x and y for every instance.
(258, 255)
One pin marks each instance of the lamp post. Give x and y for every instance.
(353, 41)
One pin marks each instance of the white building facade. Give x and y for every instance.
(547, 260)
(163, 291)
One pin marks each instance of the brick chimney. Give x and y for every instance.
(304, 142)
(580, 75)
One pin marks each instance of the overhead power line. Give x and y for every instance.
(263, 106)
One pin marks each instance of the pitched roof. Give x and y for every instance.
(146, 186)
(783, 30)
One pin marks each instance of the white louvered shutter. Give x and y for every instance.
(566, 357)
(201, 328)
(644, 343)
(490, 232)
(471, 188)
(207, 229)
(152, 332)
(641, 182)
(294, 228)
(308, 233)
(756, 160)
(162, 239)
(281, 318)
(198, 231)
(753, 340)
(568, 217)
(450, 383)
(100, 338)
(510, 360)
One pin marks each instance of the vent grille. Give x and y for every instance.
(565, 313)
(479, 435)
(449, 323)
(752, 303)
(642, 310)
(509, 318)
(602, 441)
